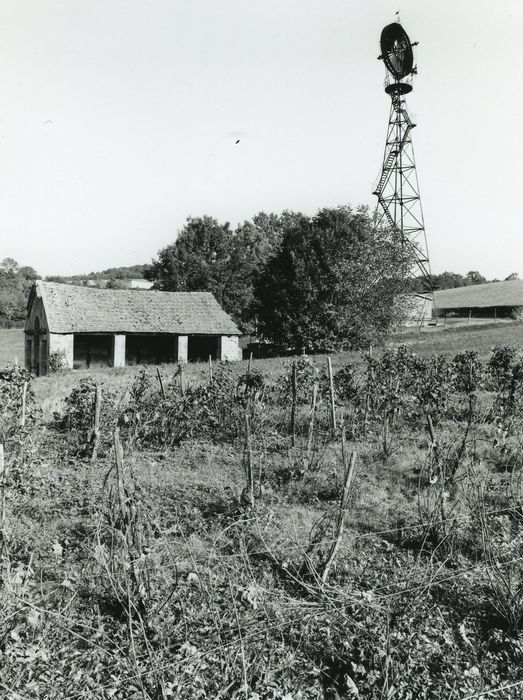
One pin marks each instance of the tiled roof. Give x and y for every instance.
(481, 296)
(73, 309)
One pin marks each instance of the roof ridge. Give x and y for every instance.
(81, 309)
(65, 285)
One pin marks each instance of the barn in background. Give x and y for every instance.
(86, 327)
(491, 300)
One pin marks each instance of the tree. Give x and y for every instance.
(57, 278)
(512, 276)
(333, 283)
(474, 277)
(449, 280)
(8, 267)
(15, 285)
(254, 243)
(208, 256)
(28, 273)
(196, 261)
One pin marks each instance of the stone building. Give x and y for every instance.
(114, 328)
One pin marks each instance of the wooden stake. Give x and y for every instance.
(3, 472)
(160, 380)
(331, 387)
(310, 435)
(24, 399)
(293, 404)
(96, 428)
(249, 365)
(385, 434)
(119, 472)
(180, 372)
(250, 468)
(349, 475)
(433, 443)
(431, 428)
(210, 369)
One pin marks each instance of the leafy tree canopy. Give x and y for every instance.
(15, 285)
(332, 283)
(196, 261)
(254, 243)
(474, 277)
(449, 280)
(452, 280)
(208, 256)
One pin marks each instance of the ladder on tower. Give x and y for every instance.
(396, 147)
(398, 104)
(385, 173)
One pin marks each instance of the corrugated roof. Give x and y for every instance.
(481, 296)
(73, 309)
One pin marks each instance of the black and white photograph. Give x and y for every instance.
(261, 350)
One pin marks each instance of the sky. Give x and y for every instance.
(119, 119)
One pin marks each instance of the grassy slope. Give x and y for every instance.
(51, 390)
(479, 338)
(11, 345)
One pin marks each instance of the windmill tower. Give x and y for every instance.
(397, 189)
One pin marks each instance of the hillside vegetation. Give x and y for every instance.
(11, 346)
(260, 532)
(15, 285)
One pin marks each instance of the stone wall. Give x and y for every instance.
(64, 344)
(230, 348)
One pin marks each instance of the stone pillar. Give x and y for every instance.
(229, 348)
(29, 352)
(183, 348)
(64, 344)
(44, 354)
(119, 351)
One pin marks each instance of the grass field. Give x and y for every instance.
(481, 338)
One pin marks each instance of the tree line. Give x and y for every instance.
(15, 284)
(319, 282)
(323, 282)
(450, 280)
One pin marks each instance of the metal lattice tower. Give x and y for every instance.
(397, 189)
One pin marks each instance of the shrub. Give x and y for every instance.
(57, 361)
(505, 367)
(347, 384)
(78, 415)
(212, 410)
(388, 382)
(306, 376)
(469, 372)
(432, 382)
(12, 381)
